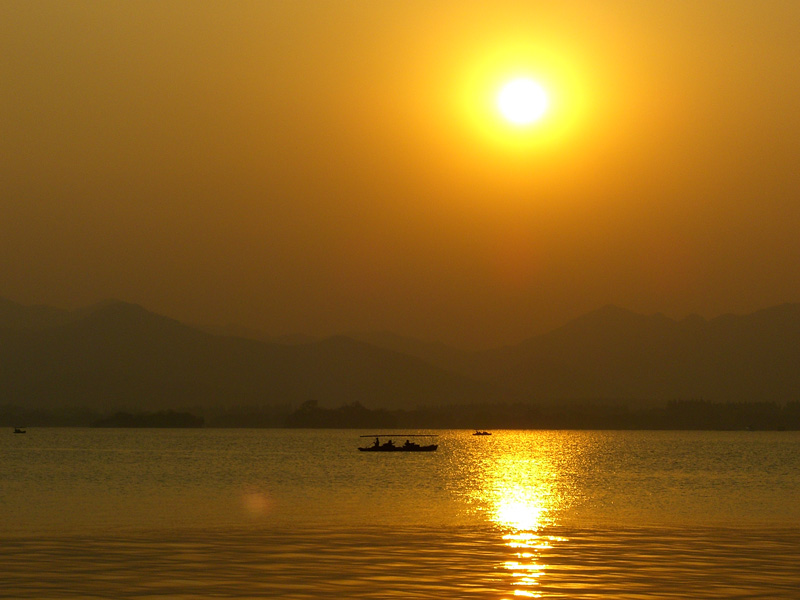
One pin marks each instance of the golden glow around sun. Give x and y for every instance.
(521, 98)
(522, 101)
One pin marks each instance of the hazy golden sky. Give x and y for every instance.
(328, 166)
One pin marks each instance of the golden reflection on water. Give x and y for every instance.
(520, 495)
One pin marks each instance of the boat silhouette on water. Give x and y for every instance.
(390, 446)
(479, 432)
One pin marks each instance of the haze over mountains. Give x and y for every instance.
(117, 355)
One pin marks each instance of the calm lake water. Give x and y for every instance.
(301, 514)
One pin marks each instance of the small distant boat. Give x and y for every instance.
(478, 432)
(19, 430)
(390, 446)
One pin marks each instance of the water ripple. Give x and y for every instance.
(407, 563)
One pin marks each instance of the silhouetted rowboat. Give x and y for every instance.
(390, 446)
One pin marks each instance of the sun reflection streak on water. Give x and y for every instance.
(520, 496)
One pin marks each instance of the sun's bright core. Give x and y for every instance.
(522, 101)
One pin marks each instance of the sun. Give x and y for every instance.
(522, 101)
(519, 98)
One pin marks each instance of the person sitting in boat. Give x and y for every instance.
(389, 444)
(410, 444)
(377, 442)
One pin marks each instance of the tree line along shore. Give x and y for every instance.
(677, 415)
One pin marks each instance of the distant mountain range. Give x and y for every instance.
(117, 355)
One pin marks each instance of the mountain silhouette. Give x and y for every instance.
(17, 316)
(614, 353)
(120, 356)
